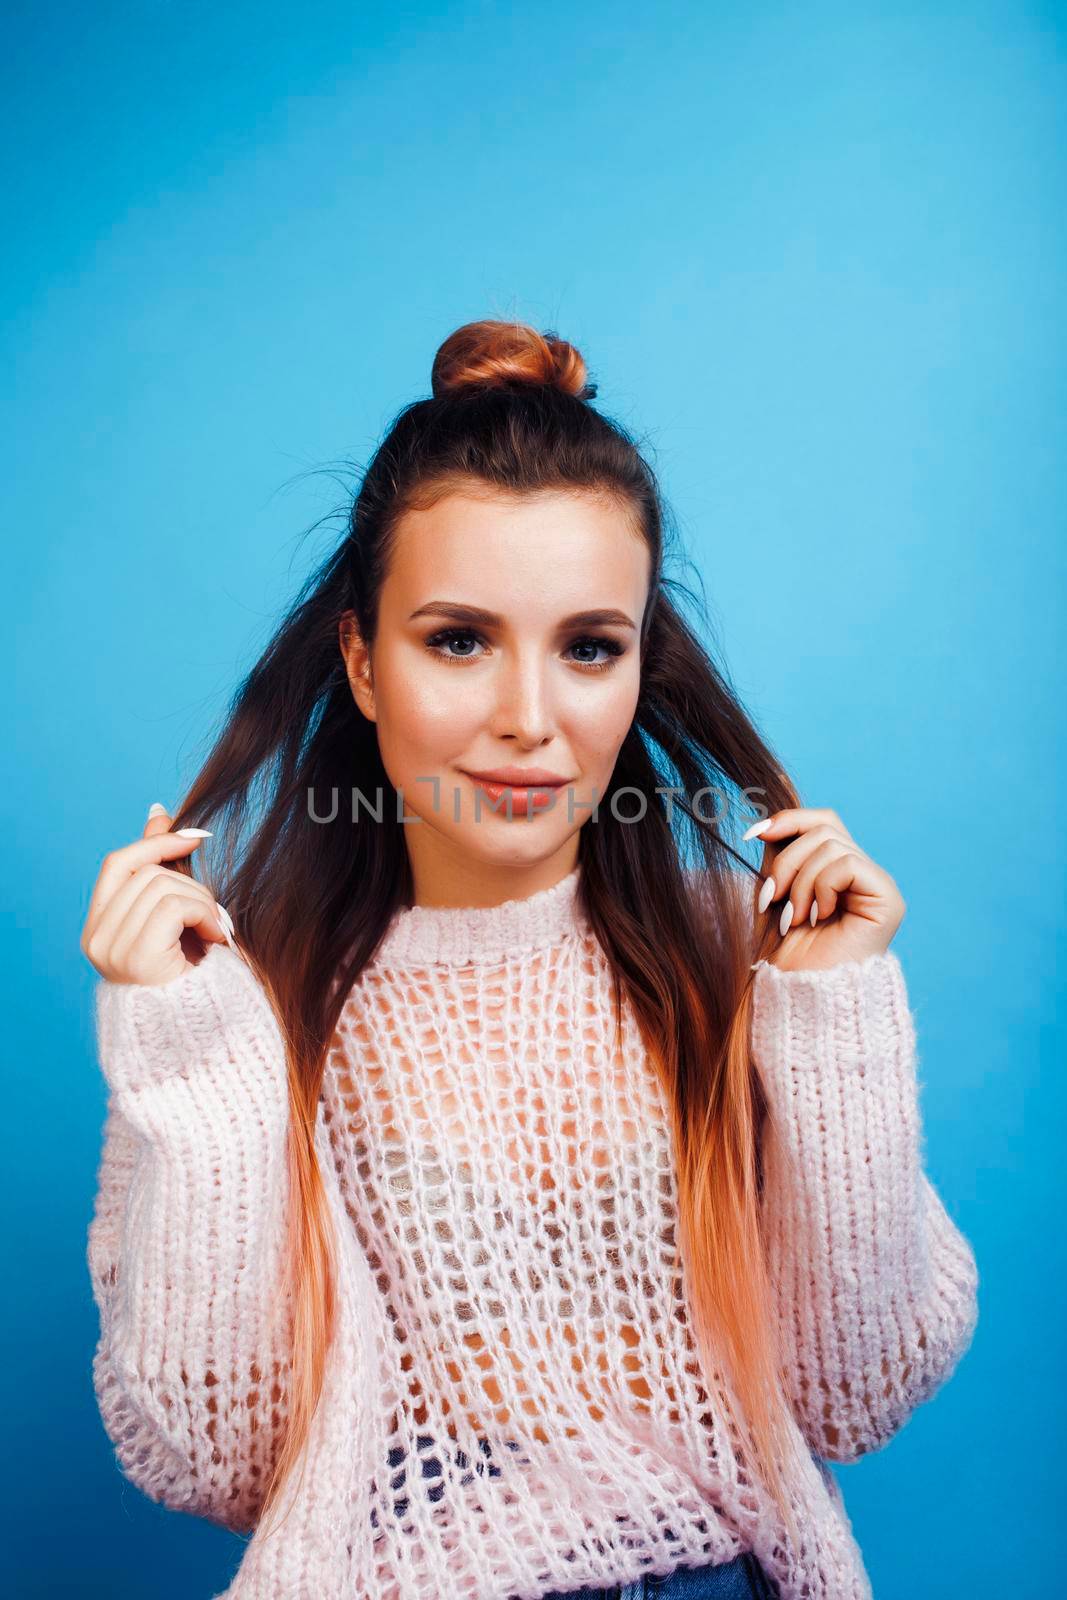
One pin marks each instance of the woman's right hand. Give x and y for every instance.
(147, 924)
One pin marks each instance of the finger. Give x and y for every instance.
(795, 819)
(160, 916)
(119, 865)
(810, 871)
(853, 875)
(823, 902)
(782, 862)
(130, 905)
(158, 820)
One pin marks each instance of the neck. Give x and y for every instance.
(457, 935)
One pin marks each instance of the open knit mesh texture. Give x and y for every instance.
(514, 1402)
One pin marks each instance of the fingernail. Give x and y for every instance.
(786, 918)
(193, 833)
(227, 923)
(156, 810)
(813, 915)
(766, 894)
(756, 829)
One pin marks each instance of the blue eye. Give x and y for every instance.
(597, 641)
(439, 638)
(612, 646)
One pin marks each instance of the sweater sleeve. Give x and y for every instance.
(185, 1245)
(876, 1288)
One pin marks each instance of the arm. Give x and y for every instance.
(185, 1244)
(876, 1288)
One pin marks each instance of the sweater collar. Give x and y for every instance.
(462, 935)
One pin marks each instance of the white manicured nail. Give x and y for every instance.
(813, 915)
(157, 810)
(786, 918)
(227, 922)
(193, 833)
(756, 829)
(766, 894)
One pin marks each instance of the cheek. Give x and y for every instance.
(600, 723)
(425, 711)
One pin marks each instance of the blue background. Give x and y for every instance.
(816, 253)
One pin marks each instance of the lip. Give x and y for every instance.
(520, 777)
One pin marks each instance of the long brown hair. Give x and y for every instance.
(511, 410)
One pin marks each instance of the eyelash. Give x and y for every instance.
(614, 648)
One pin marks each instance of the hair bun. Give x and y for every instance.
(494, 354)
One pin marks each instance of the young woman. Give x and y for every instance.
(514, 1191)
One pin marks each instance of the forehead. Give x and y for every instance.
(509, 553)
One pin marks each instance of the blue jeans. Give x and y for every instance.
(740, 1579)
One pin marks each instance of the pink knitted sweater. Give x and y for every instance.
(512, 1403)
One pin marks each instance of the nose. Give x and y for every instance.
(523, 702)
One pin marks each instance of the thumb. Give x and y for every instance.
(159, 820)
(212, 930)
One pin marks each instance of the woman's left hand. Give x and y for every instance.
(832, 902)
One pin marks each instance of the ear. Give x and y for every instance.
(357, 664)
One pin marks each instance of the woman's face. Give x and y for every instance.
(479, 665)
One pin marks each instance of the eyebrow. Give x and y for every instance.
(598, 618)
